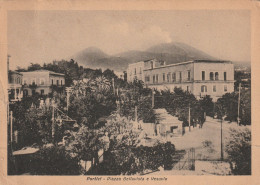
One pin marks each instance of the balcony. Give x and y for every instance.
(33, 86)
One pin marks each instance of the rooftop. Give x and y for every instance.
(193, 61)
(44, 70)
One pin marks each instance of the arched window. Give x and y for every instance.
(216, 75)
(25, 92)
(203, 88)
(211, 76)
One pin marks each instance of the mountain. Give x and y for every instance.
(178, 52)
(90, 55)
(170, 52)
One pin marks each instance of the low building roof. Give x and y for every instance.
(44, 70)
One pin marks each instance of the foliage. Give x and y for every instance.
(126, 156)
(178, 103)
(32, 123)
(85, 143)
(239, 150)
(54, 161)
(245, 107)
(91, 100)
(229, 106)
(136, 95)
(207, 105)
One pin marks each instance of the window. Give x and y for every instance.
(225, 88)
(51, 81)
(153, 78)
(216, 75)
(188, 75)
(140, 70)
(42, 91)
(42, 81)
(180, 77)
(25, 92)
(147, 78)
(214, 88)
(135, 71)
(203, 88)
(173, 77)
(157, 78)
(211, 76)
(57, 82)
(163, 77)
(168, 77)
(203, 75)
(225, 76)
(33, 81)
(188, 88)
(60, 82)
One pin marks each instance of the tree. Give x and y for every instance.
(34, 67)
(239, 150)
(91, 100)
(207, 105)
(54, 161)
(245, 107)
(229, 103)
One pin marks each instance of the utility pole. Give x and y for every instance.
(113, 85)
(221, 131)
(238, 106)
(221, 140)
(152, 98)
(68, 91)
(136, 114)
(11, 126)
(189, 116)
(53, 123)
(11, 131)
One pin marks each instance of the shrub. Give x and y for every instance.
(238, 149)
(54, 161)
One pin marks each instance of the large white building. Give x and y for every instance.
(200, 77)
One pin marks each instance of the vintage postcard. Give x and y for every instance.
(129, 92)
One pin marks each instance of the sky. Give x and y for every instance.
(44, 36)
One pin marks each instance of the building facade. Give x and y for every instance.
(41, 82)
(15, 85)
(200, 77)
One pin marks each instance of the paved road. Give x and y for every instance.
(210, 132)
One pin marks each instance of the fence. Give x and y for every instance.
(185, 160)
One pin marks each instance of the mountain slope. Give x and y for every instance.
(169, 52)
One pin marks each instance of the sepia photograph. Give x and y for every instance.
(129, 92)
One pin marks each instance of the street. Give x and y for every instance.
(206, 141)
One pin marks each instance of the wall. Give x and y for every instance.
(170, 84)
(139, 66)
(219, 84)
(39, 77)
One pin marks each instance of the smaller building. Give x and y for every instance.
(41, 82)
(15, 85)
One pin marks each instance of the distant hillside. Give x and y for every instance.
(170, 52)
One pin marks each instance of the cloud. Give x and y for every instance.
(123, 36)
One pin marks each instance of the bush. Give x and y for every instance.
(238, 149)
(54, 161)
